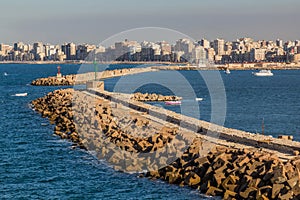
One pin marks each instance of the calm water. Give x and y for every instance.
(249, 99)
(37, 164)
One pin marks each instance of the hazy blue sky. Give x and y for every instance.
(92, 21)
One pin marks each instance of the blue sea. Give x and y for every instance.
(35, 164)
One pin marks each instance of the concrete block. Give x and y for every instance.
(213, 191)
(292, 182)
(192, 179)
(246, 193)
(254, 182)
(230, 180)
(219, 177)
(276, 189)
(288, 195)
(95, 85)
(296, 189)
(229, 194)
(285, 137)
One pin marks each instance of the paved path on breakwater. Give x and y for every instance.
(211, 132)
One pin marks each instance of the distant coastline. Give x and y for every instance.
(82, 62)
(175, 65)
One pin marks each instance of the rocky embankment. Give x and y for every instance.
(153, 97)
(122, 139)
(54, 81)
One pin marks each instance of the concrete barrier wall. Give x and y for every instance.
(203, 127)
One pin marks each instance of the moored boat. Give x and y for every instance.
(173, 102)
(227, 71)
(263, 72)
(21, 94)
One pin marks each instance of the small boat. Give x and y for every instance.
(5, 74)
(227, 71)
(21, 94)
(199, 99)
(173, 102)
(263, 72)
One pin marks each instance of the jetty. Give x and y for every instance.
(136, 137)
(83, 78)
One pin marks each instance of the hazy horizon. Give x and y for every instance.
(56, 22)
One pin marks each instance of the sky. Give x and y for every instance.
(93, 21)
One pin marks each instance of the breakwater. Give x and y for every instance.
(203, 127)
(97, 121)
(153, 97)
(85, 77)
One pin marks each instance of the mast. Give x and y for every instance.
(262, 127)
(95, 65)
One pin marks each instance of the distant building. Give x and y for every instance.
(257, 55)
(19, 46)
(205, 43)
(83, 50)
(199, 55)
(71, 51)
(38, 51)
(211, 54)
(218, 46)
(279, 43)
(166, 50)
(185, 45)
(4, 49)
(125, 50)
(296, 58)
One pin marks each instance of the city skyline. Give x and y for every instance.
(218, 51)
(95, 21)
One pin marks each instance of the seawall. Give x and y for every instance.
(203, 127)
(76, 79)
(135, 137)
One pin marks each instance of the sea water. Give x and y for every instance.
(37, 164)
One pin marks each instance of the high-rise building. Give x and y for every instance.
(71, 51)
(4, 49)
(184, 45)
(205, 43)
(199, 55)
(19, 46)
(83, 50)
(211, 54)
(219, 47)
(38, 51)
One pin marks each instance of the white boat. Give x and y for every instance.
(21, 94)
(173, 102)
(263, 72)
(227, 71)
(199, 99)
(5, 74)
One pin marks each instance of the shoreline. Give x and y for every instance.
(85, 62)
(173, 65)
